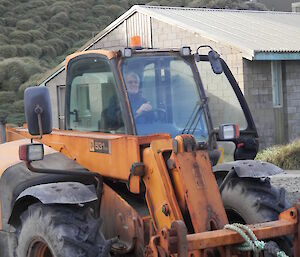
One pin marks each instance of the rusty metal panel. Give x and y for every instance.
(160, 195)
(139, 25)
(201, 191)
(120, 220)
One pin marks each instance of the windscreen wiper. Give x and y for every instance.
(195, 117)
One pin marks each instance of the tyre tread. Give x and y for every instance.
(256, 200)
(69, 231)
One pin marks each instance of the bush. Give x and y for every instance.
(36, 35)
(80, 4)
(8, 51)
(69, 33)
(17, 71)
(99, 9)
(4, 30)
(32, 81)
(16, 119)
(20, 36)
(11, 69)
(59, 6)
(88, 27)
(2, 9)
(10, 21)
(285, 156)
(61, 18)
(25, 25)
(115, 11)
(5, 110)
(49, 51)
(59, 45)
(18, 106)
(41, 42)
(48, 62)
(78, 16)
(69, 41)
(54, 26)
(33, 4)
(7, 97)
(14, 82)
(32, 50)
(3, 39)
(32, 67)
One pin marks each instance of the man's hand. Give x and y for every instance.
(146, 107)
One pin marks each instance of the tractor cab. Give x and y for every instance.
(149, 91)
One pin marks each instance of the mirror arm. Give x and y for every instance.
(210, 137)
(39, 110)
(204, 46)
(40, 125)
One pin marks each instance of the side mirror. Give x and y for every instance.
(215, 62)
(38, 110)
(228, 132)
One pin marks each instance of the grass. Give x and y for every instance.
(284, 156)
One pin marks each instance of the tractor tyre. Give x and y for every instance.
(59, 231)
(251, 200)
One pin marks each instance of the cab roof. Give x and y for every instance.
(109, 54)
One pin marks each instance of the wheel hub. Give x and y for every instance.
(39, 248)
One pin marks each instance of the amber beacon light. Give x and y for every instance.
(135, 41)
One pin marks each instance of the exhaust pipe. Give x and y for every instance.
(2, 132)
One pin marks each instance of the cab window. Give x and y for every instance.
(94, 104)
(223, 103)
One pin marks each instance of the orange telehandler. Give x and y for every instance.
(131, 174)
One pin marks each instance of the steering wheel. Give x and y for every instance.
(160, 114)
(156, 114)
(144, 117)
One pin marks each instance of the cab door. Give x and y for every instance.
(228, 106)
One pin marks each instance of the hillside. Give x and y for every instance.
(279, 5)
(37, 35)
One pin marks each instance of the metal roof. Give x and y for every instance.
(251, 31)
(261, 35)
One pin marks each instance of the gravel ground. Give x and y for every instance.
(290, 180)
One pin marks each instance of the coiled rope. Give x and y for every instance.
(252, 243)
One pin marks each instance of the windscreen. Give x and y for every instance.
(163, 96)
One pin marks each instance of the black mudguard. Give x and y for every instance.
(61, 193)
(249, 168)
(17, 179)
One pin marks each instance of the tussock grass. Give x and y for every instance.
(285, 156)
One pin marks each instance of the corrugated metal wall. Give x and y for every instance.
(139, 25)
